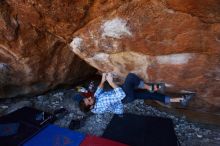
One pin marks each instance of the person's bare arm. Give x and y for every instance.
(101, 84)
(109, 78)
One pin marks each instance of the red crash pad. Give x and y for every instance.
(99, 141)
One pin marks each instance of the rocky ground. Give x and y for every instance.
(188, 133)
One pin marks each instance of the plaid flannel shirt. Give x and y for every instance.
(109, 101)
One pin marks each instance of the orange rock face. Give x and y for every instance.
(34, 55)
(171, 41)
(176, 42)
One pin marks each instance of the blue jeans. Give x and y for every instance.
(132, 82)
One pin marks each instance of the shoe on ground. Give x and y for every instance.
(60, 113)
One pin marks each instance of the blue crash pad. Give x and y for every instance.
(55, 136)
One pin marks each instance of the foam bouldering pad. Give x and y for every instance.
(99, 141)
(21, 134)
(56, 136)
(9, 129)
(32, 116)
(22, 124)
(136, 130)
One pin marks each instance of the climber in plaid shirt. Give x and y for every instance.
(112, 101)
(105, 101)
(109, 101)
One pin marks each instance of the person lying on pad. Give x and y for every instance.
(112, 101)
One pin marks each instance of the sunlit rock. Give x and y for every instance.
(161, 41)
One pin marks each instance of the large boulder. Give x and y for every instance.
(34, 43)
(176, 42)
(34, 53)
(171, 41)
